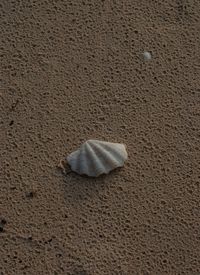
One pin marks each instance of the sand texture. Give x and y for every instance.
(75, 70)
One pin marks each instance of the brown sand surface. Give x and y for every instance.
(71, 71)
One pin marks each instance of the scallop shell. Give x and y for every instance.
(147, 55)
(96, 157)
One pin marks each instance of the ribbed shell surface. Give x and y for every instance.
(97, 157)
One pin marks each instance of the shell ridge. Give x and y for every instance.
(111, 148)
(81, 161)
(121, 156)
(107, 159)
(76, 164)
(90, 164)
(101, 166)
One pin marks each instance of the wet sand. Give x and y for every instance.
(72, 71)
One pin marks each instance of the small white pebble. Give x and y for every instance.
(146, 55)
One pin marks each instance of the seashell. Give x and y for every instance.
(146, 55)
(96, 157)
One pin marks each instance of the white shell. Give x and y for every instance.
(96, 157)
(146, 55)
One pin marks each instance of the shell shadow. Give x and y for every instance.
(79, 187)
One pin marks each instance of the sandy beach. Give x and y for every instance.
(75, 70)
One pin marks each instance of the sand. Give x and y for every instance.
(72, 71)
